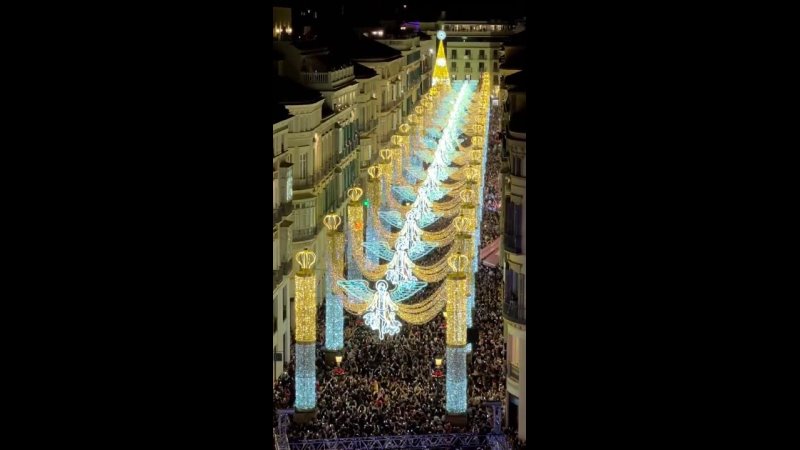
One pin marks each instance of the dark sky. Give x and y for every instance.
(355, 12)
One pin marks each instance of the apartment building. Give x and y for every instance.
(513, 248)
(473, 47)
(282, 215)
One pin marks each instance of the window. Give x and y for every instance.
(303, 166)
(453, 67)
(276, 202)
(453, 54)
(496, 54)
(481, 54)
(517, 166)
(467, 54)
(466, 65)
(496, 66)
(513, 226)
(481, 67)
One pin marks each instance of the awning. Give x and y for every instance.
(490, 255)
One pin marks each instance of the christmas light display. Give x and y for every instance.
(456, 382)
(354, 230)
(305, 298)
(334, 314)
(373, 192)
(305, 332)
(305, 377)
(382, 308)
(430, 172)
(457, 300)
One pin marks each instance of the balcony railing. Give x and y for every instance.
(514, 311)
(307, 182)
(305, 234)
(513, 243)
(286, 209)
(326, 77)
(277, 276)
(369, 125)
(390, 104)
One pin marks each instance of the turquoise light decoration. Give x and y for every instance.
(305, 398)
(456, 380)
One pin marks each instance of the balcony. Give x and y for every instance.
(287, 267)
(326, 80)
(514, 311)
(286, 209)
(307, 182)
(368, 126)
(512, 243)
(277, 277)
(390, 105)
(276, 216)
(306, 234)
(513, 372)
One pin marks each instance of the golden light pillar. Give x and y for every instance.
(305, 333)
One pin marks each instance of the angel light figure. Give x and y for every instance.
(400, 266)
(381, 312)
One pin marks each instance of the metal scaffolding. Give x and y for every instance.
(461, 440)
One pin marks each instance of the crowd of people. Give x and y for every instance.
(389, 386)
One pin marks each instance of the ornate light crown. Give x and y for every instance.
(355, 193)
(467, 195)
(458, 262)
(374, 172)
(305, 258)
(332, 221)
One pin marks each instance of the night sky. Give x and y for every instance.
(350, 12)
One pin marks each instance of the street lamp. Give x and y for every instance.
(438, 362)
(338, 360)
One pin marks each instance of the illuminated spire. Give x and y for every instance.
(440, 73)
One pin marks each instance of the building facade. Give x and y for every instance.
(473, 47)
(282, 221)
(514, 241)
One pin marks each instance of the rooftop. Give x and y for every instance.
(279, 112)
(362, 71)
(289, 92)
(325, 63)
(359, 48)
